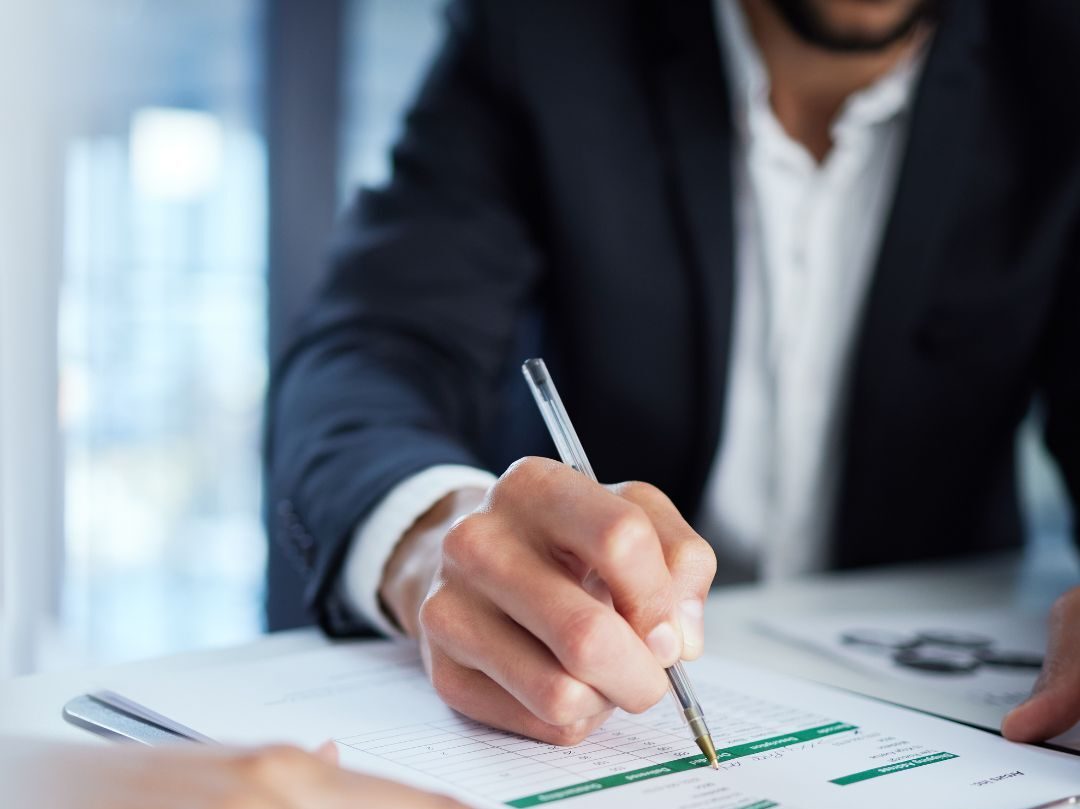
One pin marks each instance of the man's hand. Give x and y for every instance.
(510, 633)
(1054, 705)
(49, 776)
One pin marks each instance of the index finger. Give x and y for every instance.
(566, 512)
(690, 560)
(590, 639)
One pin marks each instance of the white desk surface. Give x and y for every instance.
(31, 706)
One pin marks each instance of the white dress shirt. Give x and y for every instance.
(807, 236)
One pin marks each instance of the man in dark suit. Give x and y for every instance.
(803, 265)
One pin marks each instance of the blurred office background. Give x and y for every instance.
(189, 158)
(168, 176)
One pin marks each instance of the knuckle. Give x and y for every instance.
(624, 536)
(566, 735)
(524, 473)
(464, 542)
(569, 735)
(435, 616)
(694, 559)
(645, 493)
(445, 682)
(561, 700)
(583, 640)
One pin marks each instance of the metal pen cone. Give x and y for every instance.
(707, 747)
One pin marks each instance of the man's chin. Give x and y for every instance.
(880, 24)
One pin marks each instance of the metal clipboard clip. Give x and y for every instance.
(115, 717)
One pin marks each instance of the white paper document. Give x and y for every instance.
(980, 695)
(998, 686)
(782, 742)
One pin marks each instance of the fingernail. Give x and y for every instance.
(692, 618)
(664, 643)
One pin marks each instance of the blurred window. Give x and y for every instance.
(162, 325)
(163, 302)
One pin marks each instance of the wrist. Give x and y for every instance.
(412, 566)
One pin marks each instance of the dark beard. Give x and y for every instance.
(803, 18)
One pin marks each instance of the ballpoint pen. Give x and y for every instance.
(573, 454)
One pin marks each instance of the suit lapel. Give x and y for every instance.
(945, 120)
(692, 104)
(693, 107)
(944, 124)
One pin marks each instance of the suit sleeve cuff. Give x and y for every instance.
(376, 537)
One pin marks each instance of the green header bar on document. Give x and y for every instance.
(679, 765)
(889, 769)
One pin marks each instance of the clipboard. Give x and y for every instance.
(103, 715)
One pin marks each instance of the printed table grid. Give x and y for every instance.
(490, 762)
(500, 765)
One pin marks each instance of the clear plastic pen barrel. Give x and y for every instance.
(691, 711)
(556, 418)
(573, 454)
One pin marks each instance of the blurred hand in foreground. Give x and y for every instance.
(50, 776)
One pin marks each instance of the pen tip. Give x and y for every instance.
(705, 743)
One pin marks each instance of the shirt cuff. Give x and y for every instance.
(376, 537)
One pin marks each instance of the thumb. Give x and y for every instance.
(327, 752)
(1054, 704)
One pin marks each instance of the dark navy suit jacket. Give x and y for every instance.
(563, 184)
